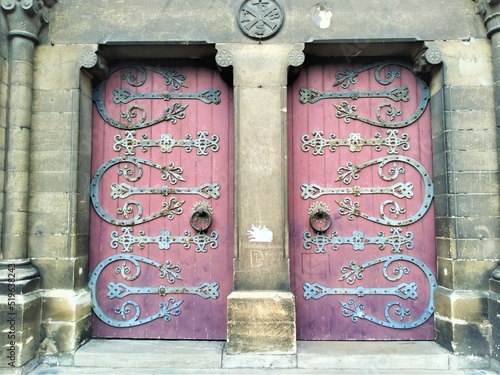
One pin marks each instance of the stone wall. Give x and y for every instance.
(464, 145)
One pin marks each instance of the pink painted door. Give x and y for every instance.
(161, 224)
(362, 238)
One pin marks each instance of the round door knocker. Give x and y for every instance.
(201, 216)
(319, 217)
(260, 19)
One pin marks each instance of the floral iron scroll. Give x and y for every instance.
(400, 190)
(396, 314)
(387, 114)
(136, 77)
(130, 310)
(170, 173)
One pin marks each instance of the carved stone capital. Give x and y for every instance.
(25, 18)
(95, 64)
(490, 10)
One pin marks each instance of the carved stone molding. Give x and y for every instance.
(296, 58)
(95, 64)
(490, 10)
(25, 18)
(430, 59)
(224, 58)
(260, 19)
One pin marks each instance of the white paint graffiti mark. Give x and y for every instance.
(260, 233)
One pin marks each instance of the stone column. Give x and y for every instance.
(490, 10)
(19, 282)
(261, 309)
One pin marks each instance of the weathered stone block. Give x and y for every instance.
(57, 67)
(65, 337)
(484, 248)
(267, 63)
(62, 273)
(468, 62)
(468, 205)
(465, 274)
(469, 120)
(478, 227)
(261, 322)
(463, 305)
(20, 327)
(466, 140)
(472, 160)
(463, 338)
(468, 98)
(65, 101)
(65, 305)
(446, 248)
(479, 182)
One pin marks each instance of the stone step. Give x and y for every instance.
(313, 357)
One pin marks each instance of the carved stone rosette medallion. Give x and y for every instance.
(260, 19)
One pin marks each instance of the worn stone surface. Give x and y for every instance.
(465, 274)
(461, 321)
(160, 354)
(261, 322)
(373, 21)
(260, 73)
(464, 148)
(19, 327)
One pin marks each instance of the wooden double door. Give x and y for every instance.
(362, 238)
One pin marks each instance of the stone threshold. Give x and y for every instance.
(419, 357)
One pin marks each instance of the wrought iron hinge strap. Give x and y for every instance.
(204, 290)
(164, 240)
(386, 113)
(168, 308)
(166, 143)
(358, 240)
(355, 142)
(355, 310)
(124, 96)
(352, 209)
(170, 173)
(403, 291)
(124, 190)
(399, 190)
(312, 95)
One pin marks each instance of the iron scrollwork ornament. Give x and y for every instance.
(136, 117)
(352, 209)
(166, 143)
(387, 114)
(260, 19)
(130, 310)
(395, 313)
(358, 240)
(164, 240)
(170, 173)
(355, 143)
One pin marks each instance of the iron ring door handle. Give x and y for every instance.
(201, 217)
(319, 218)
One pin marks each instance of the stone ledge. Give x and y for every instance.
(149, 354)
(404, 355)
(255, 360)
